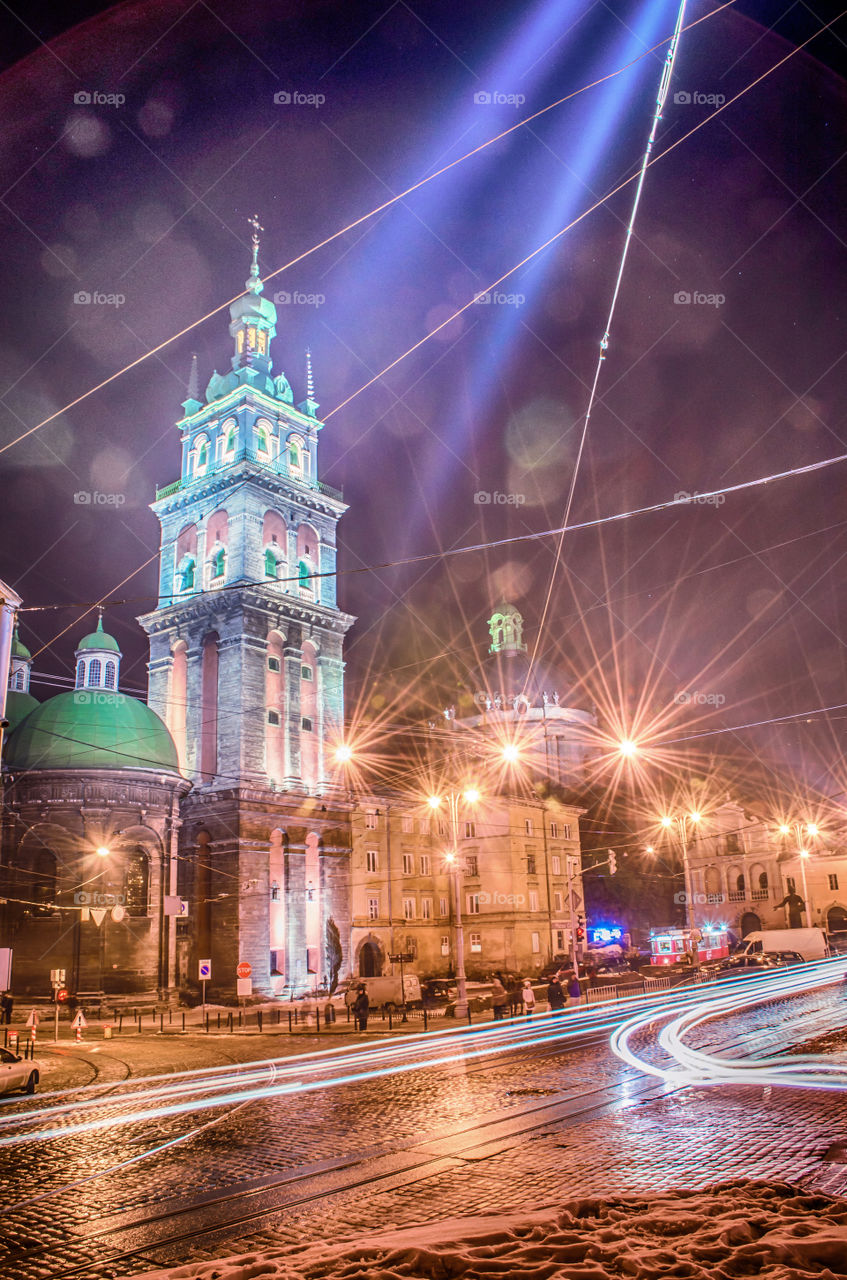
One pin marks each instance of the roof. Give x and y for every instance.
(19, 650)
(18, 706)
(99, 639)
(92, 729)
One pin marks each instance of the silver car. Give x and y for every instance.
(17, 1073)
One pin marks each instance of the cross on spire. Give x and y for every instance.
(254, 284)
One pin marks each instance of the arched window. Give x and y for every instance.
(271, 564)
(763, 879)
(19, 679)
(109, 677)
(80, 674)
(218, 562)
(229, 441)
(739, 884)
(94, 669)
(262, 438)
(304, 573)
(136, 883)
(202, 456)
(294, 455)
(186, 573)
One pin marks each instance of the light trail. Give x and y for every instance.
(690, 1066)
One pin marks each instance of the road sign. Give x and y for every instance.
(244, 969)
(62, 994)
(401, 957)
(205, 970)
(57, 977)
(79, 1021)
(98, 915)
(32, 1020)
(244, 987)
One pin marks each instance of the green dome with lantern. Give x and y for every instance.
(91, 729)
(99, 639)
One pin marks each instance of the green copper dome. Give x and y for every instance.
(20, 650)
(18, 707)
(92, 729)
(98, 639)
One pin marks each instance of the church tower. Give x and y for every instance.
(246, 645)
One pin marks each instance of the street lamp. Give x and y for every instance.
(453, 799)
(812, 829)
(680, 822)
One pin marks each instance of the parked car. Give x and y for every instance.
(736, 966)
(438, 991)
(787, 957)
(17, 1073)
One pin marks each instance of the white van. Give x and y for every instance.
(810, 943)
(386, 993)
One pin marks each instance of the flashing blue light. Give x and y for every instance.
(605, 935)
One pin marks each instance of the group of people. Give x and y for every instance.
(518, 996)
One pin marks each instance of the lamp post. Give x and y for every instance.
(452, 800)
(680, 822)
(803, 854)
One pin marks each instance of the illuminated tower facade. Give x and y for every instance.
(246, 662)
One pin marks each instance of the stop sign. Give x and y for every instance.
(62, 994)
(244, 969)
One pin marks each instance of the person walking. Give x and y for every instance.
(515, 997)
(556, 995)
(527, 998)
(499, 998)
(361, 1008)
(574, 990)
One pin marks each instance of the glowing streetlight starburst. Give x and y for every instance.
(103, 851)
(628, 748)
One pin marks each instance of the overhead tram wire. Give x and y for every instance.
(661, 98)
(387, 204)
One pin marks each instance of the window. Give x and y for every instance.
(373, 908)
(733, 842)
(533, 900)
(527, 826)
(109, 675)
(185, 573)
(80, 674)
(557, 901)
(556, 864)
(472, 865)
(531, 868)
(554, 830)
(789, 884)
(136, 884)
(408, 908)
(229, 441)
(218, 563)
(739, 884)
(306, 724)
(833, 882)
(426, 908)
(271, 564)
(425, 826)
(305, 673)
(407, 823)
(536, 943)
(304, 576)
(445, 944)
(262, 440)
(566, 831)
(426, 864)
(442, 827)
(408, 864)
(202, 457)
(371, 818)
(273, 717)
(442, 906)
(476, 942)
(294, 455)
(372, 860)
(560, 940)
(274, 664)
(472, 904)
(94, 673)
(763, 879)
(470, 830)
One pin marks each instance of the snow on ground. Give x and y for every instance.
(734, 1229)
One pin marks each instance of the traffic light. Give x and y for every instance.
(580, 927)
(613, 862)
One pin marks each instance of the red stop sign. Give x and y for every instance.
(244, 969)
(62, 994)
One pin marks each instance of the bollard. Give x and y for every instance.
(240, 1017)
(426, 1028)
(318, 1018)
(183, 1021)
(207, 1024)
(219, 1019)
(138, 1016)
(289, 1022)
(469, 1016)
(389, 1020)
(259, 1020)
(161, 1024)
(120, 1022)
(170, 1017)
(230, 1022)
(278, 1014)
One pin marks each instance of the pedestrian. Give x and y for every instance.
(556, 995)
(361, 1008)
(574, 990)
(515, 997)
(499, 998)
(527, 997)
(6, 1004)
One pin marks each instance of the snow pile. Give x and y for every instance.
(735, 1229)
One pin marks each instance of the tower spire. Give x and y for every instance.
(253, 284)
(310, 378)
(192, 401)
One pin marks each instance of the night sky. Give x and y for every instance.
(702, 617)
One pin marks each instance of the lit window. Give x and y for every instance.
(470, 830)
(554, 830)
(408, 908)
(372, 859)
(426, 864)
(472, 904)
(109, 676)
(472, 864)
(408, 865)
(273, 717)
(426, 908)
(80, 674)
(476, 942)
(556, 864)
(371, 819)
(94, 673)
(442, 827)
(533, 900)
(566, 831)
(442, 906)
(445, 944)
(536, 943)
(373, 908)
